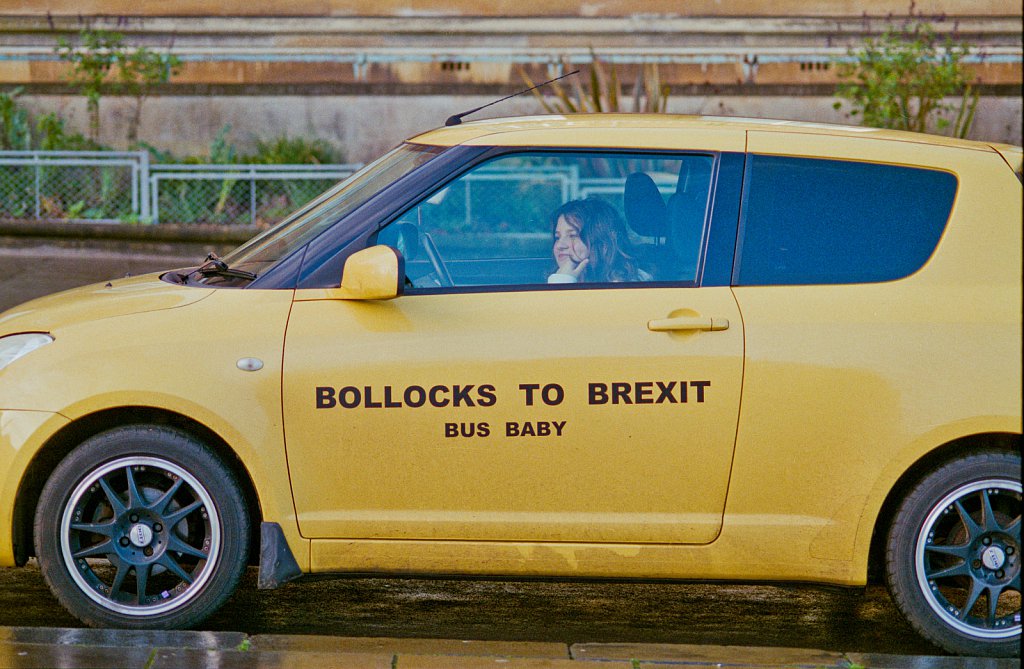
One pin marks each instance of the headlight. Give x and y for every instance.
(13, 347)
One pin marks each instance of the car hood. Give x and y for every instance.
(119, 297)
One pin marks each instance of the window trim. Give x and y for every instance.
(745, 207)
(322, 260)
(497, 152)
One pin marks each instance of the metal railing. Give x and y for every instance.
(123, 186)
(101, 186)
(237, 194)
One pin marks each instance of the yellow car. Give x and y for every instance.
(590, 346)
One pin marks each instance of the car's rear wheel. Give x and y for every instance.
(142, 527)
(953, 555)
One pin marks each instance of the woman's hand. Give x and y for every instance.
(571, 265)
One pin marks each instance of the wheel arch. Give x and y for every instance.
(976, 443)
(74, 433)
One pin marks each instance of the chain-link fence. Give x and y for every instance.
(72, 185)
(112, 187)
(237, 194)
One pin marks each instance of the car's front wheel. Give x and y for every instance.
(953, 555)
(142, 527)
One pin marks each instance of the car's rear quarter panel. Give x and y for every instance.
(846, 387)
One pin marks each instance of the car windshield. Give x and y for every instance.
(260, 253)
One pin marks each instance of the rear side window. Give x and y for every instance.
(809, 221)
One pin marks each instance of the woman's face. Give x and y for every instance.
(568, 245)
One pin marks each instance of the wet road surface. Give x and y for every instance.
(845, 620)
(33, 272)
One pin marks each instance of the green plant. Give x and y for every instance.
(135, 219)
(75, 210)
(101, 64)
(91, 64)
(157, 155)
(902, 79)
(286, 150)
(605, 91)
(52, 135)
(188, 201)
(139, 71)
(15, 134)
(222, 151)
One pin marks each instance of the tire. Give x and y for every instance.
(142, 527)
(953, 555)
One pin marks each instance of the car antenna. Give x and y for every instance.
(457, 119)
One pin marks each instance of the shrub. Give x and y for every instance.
(15, 128)
(294, 151)
(902, 79)
(605, 91)
(91, 64)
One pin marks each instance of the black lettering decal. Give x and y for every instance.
(553, 394)
(598, 393)
(486, 398)
(543, 429)
(559, 424)
(642, 392)
(528, 388)
(325, 397)
(684, 393)
(511, 429)
(388, 402)
(700, 386)
(370, 404)
(527, 430)
(460, 395)
(466, 429)
(415, 396)
(349, 391)
(666, 392)
(435, 392)
(620, 393)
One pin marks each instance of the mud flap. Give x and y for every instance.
(277, 564)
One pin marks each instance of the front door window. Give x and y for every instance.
(559, 218)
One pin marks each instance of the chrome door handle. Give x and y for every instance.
(684, 323)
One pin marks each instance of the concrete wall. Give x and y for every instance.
(366, 126)
(503, 7)
(365, 74)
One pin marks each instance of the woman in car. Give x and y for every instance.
(591, 244)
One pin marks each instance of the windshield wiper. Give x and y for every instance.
(214, 265)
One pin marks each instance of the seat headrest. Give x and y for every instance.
(645, 209)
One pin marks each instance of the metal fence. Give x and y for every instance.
(72, 185)
(124, 187)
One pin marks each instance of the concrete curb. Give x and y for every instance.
(23, 647)
(163, 233)
(168, 240)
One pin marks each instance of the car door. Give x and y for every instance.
(489, 404)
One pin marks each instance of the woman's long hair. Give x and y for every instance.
(604, 232)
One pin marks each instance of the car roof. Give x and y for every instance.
(501, 131)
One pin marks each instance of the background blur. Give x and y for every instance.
(365, 74)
